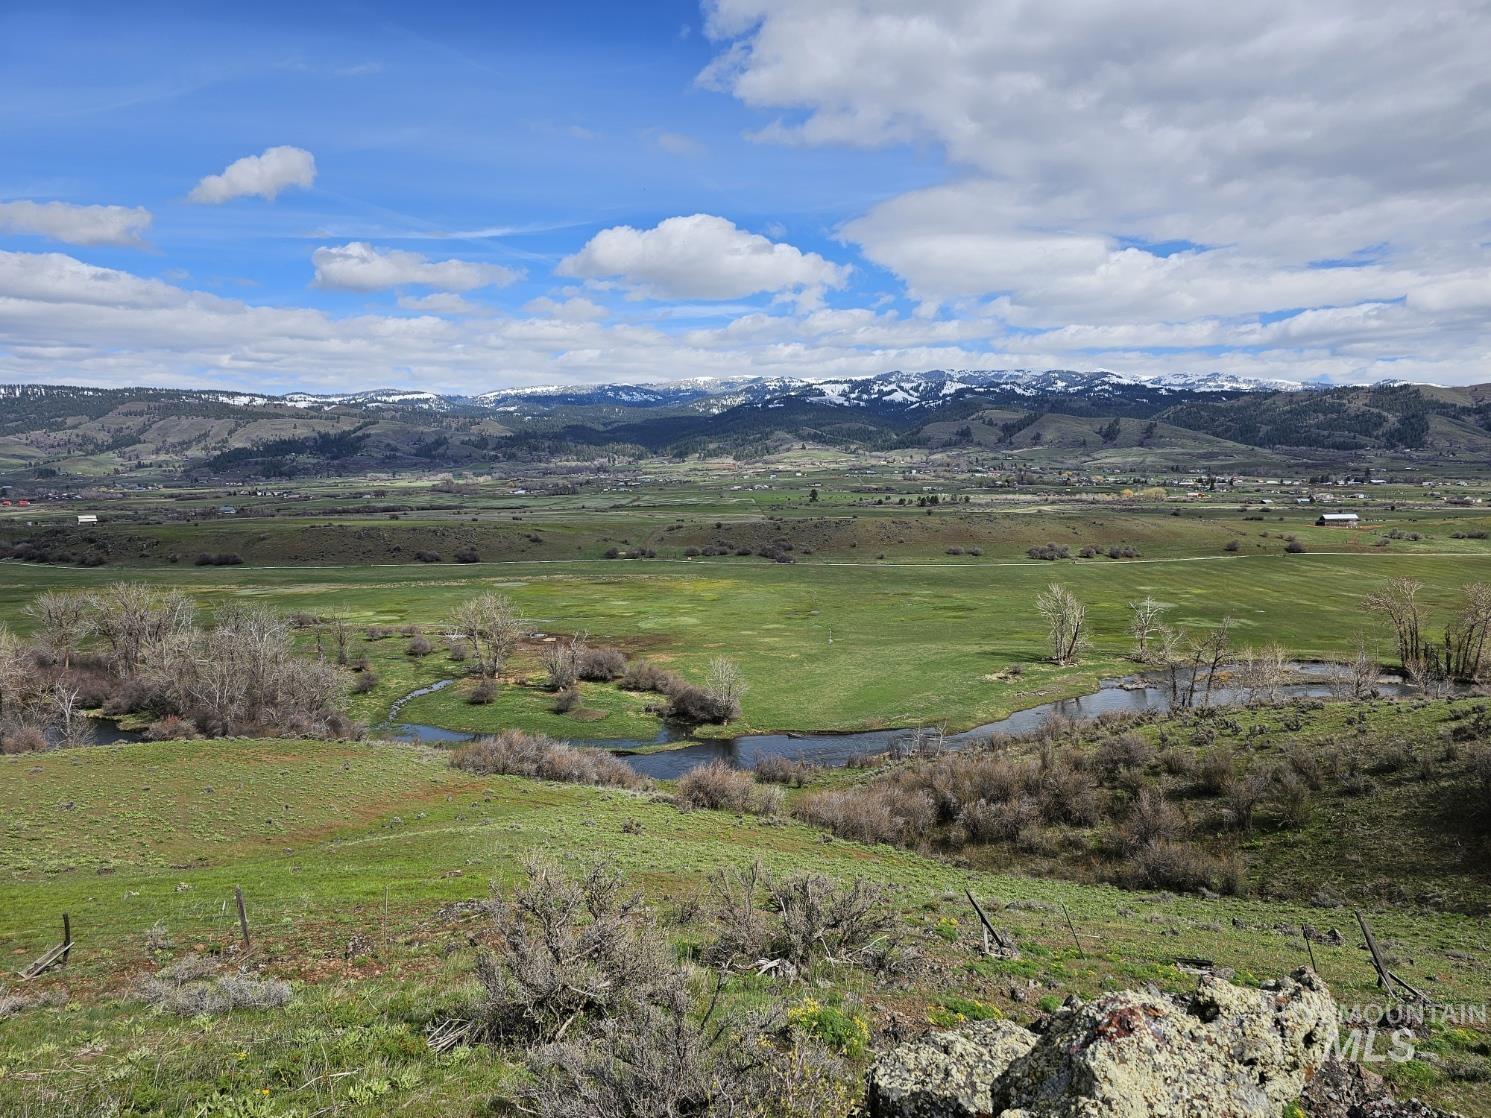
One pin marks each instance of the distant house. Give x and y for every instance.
(1338, 520)
(87, 518)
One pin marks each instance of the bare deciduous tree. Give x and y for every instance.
(1356, 677)
(1467, 633)
(67, 714)
(131, 617)
(726, 685)
(243, 674)
(1193, 661)
(491, 625)
(561, 659)
(341, 633)
(1261, 673)
(63, 620)
(1397, 600)
(13, 673)
(1148, 618)
(1066, 619)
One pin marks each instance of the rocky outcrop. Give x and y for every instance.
(1226, 1050)
(946, 1074)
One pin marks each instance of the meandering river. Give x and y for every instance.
(1115, 695)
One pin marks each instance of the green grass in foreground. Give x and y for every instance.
(333, 841)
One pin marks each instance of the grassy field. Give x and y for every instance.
(347, 855)
(911, 643)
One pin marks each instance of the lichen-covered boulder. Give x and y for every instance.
(1226, 1051)
(946, 1074)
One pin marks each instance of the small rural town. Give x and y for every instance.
(749, 559)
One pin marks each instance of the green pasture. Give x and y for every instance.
(911, 642)
(348, 853)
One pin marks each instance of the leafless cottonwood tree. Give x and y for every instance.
(131, 617)
(1261, 673)
(14, 673)
(1147, 618)
(1193, 661)
(66, 711)
(1461, 652)
(491, 625)
(341, 633)
(1356, 677)
(63, 620)
(561, 661)
(726, 684)
(243, 674)
(1466, 637)
(1066, 620)
(1397, 600)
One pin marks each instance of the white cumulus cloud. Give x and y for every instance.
(262, 176)
(700, 257)
(358, 266)
(76, 225)
(1137, 169)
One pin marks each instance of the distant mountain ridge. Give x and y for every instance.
(712, 395)
(1055, 415)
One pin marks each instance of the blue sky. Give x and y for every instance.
(466, 196)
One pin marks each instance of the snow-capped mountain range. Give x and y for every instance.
(712, 395)
(904, 389)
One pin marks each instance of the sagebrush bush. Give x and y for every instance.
(722, 788)
(1173, 865)
(572, 950)
(188, 988)
(514, 753)
(1151, 818)
(874, 813)
(773, 768)
(602, 665)
(594, 990)
(643, 675)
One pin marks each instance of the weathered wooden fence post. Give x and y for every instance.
(242, 914)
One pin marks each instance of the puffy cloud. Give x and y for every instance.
(358, 266)
(1123, 169)
(76, 225)
(262, 176)
(700, 257)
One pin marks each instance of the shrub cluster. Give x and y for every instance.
(588, 986)
(514, 753)
(722, 788)
(1050, 551)
(687, 702)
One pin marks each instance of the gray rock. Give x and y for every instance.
(946, 1074)
(1228, 1051)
